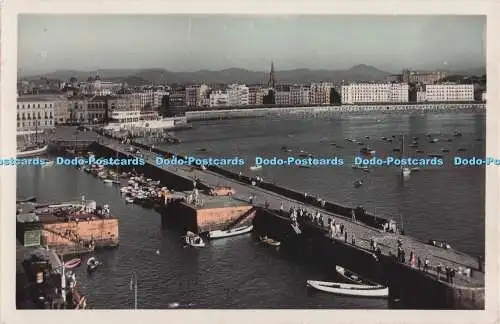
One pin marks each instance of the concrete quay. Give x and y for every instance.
(389, 108)
(404, 280)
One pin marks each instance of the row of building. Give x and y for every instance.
(360, 93)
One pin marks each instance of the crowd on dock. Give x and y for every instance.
(339, 231)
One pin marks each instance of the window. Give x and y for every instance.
(18, 118)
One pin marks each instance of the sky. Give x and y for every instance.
(184, 43)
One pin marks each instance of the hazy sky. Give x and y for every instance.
(194, 42)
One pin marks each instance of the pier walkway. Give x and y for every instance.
(387, 241)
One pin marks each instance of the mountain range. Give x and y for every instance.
(227, 76)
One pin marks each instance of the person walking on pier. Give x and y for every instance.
(341, 229)
(281, 206)
(353, 239)
(345, 236)
(438, 271)
(419, 263)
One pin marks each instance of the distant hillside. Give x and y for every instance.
(232, 75)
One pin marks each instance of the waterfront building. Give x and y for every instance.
(77, 107)
(35, 112)
(421, 96)
(195, 94)
(299, 95)
(97, 108)
(152, 96)
(282, 98)
(253, 94)
(259, 96)
(319, 93)
(177, 98)
(97, 87)
(424, 77)
(449, 92)
(238, 95)
(218, 98)
(375, 93)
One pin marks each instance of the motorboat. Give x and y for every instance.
(194, 240)
(255, 167)
(92, 264)
(358, 183)
(350, 289)
(405, 172)
(231, 232)
(73, 263)
(129, 200)
(269, 241)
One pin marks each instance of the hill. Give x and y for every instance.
(226, 76)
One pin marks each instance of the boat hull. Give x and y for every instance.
(223, 234)
(350, 289)
(31, 153)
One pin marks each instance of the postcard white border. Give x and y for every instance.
(8, 312)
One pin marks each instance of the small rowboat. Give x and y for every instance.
(350, 289)
(194, 240)
(269, 241)
(73, 263)
(232, 232)
(92, 264)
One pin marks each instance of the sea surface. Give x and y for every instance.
(445, 203)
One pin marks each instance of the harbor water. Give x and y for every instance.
(445, 203)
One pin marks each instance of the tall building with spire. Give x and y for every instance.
(272, 80)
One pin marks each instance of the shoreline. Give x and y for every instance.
(343, 109)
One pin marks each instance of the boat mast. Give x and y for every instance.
(133, 285)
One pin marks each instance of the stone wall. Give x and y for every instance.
(101, 230)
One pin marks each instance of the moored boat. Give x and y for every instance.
(269, 241)
(194, 240)
(350, 289)
(73, 263)
(30, 152)
(92, 264)
(255, 167)
(231, 232)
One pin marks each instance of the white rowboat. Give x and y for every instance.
(231, 232)
(350, 289)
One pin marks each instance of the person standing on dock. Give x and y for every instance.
(419, 263)
(353, 239)
(345, 236)
(341, 229)
(281, 206)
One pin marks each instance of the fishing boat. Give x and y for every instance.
(269, 241)
(92, 264)
(231, 232)
(359, 167)
(255, 167)
(350, 289)
(73, 263)
(194, 240)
